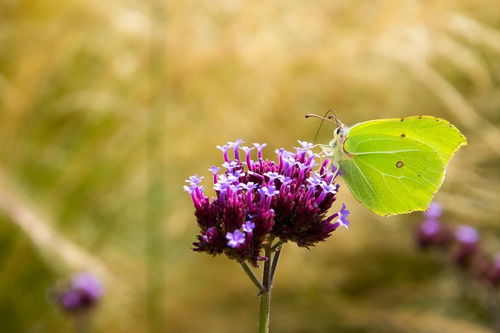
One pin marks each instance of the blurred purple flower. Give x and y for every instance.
(467, 239)
(493, 273)
(259, 200)
(465, 234)
(82, 292)
(431, 232)
(434, 211)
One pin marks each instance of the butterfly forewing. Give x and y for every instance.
(436, 133)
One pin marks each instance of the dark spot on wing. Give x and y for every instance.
(399, 164)
(419, 117)
(418, 176)
(403, 135)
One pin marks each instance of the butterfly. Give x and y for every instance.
(394, 166)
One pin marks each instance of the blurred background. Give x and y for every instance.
(107, 106)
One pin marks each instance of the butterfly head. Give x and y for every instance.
(340, 132)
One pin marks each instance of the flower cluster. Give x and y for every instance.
(259, 200)
(82, 292)
(461, 243)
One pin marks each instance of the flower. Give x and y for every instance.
(493, 273)
(82, 292)
(257, 201)
(431, 232)
(342, 217)
(235, 239)
(466, 235)
(467, 239)
(434, 211)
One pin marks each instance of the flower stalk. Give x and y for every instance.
(253, 278)
(265, 298)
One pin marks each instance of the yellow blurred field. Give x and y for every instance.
(106, 107)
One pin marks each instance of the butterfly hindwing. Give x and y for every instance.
(390, 177)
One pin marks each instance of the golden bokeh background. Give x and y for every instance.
(107, 106)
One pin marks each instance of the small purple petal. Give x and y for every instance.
(247, 149)
(248, 186)
(342, 217)
(328, 188)
(230, 165)
(273, 176)
(235, 239)
(259, 146)
(268, 191)
(305, 145)
(223, 148)
(248, 227)
(189, 189)
(194, 180)
(213, 169)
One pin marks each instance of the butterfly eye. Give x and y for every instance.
(337, 131)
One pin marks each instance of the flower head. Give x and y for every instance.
(434, 211)
(465, 234)
(431, 232)
(258, 200)
(493, 273)
(82, 292)
(467, 239)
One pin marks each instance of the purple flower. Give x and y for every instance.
(268, 191)
(248, 227)
(224, 150)
(342, 217)
(305, 145)
(467, 239)
(214, 170)
(493, 273)
(194, 180)
(235, 239)
(260, 200)
(465, 234)
(431, 232)
(434, 211)
(260, 148)
(82, 292)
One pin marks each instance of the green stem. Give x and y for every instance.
(278, 244)
(82, 322)
(265, 298)
(274, 265)
(253, 278)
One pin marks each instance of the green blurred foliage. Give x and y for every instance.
(107, 106)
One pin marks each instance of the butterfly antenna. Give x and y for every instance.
(325, 117)
(337, 121)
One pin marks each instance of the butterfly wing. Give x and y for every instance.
(395, 166)
(436, 133)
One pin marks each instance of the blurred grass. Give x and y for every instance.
(81, 82)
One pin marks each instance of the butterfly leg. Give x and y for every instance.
(327, 150)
